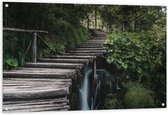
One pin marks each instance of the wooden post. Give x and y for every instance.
(94, 71)
(34, 48)
(94, 74)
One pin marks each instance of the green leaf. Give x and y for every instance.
(12, 62)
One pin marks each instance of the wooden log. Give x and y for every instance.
(90, 46)
(94, 70)
(9, 95)
(24, 30)
(34, 48)
(40, 73)
(36, 102)
(95, 40)
(72, 57)
(41, 81)
(55, 65)
(84, 54)
(64, 60)
(38, 109)
(86, 51)
(34, 106)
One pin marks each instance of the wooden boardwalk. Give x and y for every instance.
(44, 86)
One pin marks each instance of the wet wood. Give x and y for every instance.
(64, 60)
(40, 73)
(26, 89)
(55, 65)
(34, 48)
(23, 30)
(26, 94)
(86, 51)
(84, 54)
(90, 46)
(44, 85)
(73, 56)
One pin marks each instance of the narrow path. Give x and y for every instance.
(44, 86)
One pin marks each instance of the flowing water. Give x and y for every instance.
(89, 93)
(84, 90)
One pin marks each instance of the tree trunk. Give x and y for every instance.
(95, 17)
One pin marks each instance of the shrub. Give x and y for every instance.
(137, 55)
(138, 97)
(112, 103)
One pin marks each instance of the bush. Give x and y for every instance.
(112, 103)
(137, 55)
(138, 97)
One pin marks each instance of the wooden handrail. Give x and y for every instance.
(34, 43)
(24, 30)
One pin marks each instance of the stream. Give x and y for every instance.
(89, 91)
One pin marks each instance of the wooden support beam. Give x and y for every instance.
(34, 48)
(94, 71)
(24, 30)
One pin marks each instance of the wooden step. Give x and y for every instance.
(64, 60)
(95, 40)
(88, 48)
(55, 65)
(34, 94)
(25, 89)
(86, 51)
(40, 73)
(72, 57)
(35, 105)
(37, 108)
(83, 54)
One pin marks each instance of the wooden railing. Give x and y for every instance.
(34, 43)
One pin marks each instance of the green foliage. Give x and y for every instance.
(14, 50)
(11, 63)
(138, 55)
(112, 103)
(132, 18)
(138, 97)
(62, 21)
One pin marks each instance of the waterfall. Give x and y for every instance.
(89, 93)
(84, 90)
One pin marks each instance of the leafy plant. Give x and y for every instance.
(11, 63)
(112, 103)
(138, 96)
(137, 55)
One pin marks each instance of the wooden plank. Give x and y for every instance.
(38, 109)
(37, 94)
(35, 106)
(23, 30)
(84, 54)
(40, 73)
(64, 60)
(72, 57)
(90, 46)
(36, 102)
(25, 81)
(35, 85)
(34, 48)
(86, 51)
(55, 65)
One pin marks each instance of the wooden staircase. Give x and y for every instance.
(44, 86)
